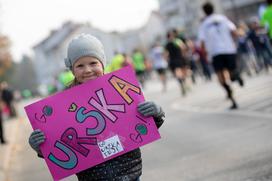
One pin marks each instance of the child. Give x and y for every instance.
(86, 59)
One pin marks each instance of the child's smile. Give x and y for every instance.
(87, 68)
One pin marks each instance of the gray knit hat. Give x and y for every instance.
(84, 45)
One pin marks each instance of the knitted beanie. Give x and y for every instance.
(84, 45)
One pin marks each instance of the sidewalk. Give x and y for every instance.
(13, 157)
(10, 127)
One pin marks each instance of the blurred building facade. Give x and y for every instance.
(184, 14)
(241, 10)
(49, 54)
(187, 14)
(23, 75)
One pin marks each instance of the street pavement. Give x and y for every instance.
(201, 139)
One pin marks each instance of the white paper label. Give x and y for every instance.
(110, 146)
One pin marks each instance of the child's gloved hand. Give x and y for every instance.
(36, 139)
(149, 108)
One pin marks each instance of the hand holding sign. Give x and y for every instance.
(149, 108)
(36, 139)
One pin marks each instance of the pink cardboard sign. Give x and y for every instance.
(92, 123)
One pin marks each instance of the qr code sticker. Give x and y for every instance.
(110, 146)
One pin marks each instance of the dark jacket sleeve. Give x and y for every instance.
(40, 156)
(159, 120)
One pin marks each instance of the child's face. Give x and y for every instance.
(87, 68)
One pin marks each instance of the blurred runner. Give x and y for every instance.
(159, 62)
(257, 35)
(7, 97)
(2, 138)
(203, 61)
(216, 35)
(138, 60)
(246, 60)
(266, 19)
(117, 62)
(175, 49)
(127, 60)
(193, 59)
(64, 79)
(182, 41)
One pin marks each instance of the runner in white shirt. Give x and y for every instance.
(159, 62)
(216, 35)
(216, 31)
